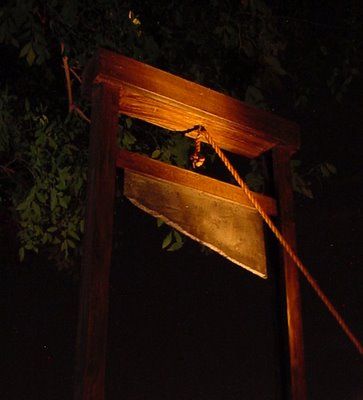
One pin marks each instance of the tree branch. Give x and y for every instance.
(67, 70)
(75, 74)
(81, 114)
(68, 79)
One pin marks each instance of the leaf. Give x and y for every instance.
(31, 56)
(175, 246)
(81, 226)
(14, 42)
(45, 238)
(21, 254)
(324, 171)
(23, 206)
(24, 51)
(274, 63)
(52, 229)
(167, 240)
(36, 209)
(302, 186)
(73, 235)
(165, 156)
(254, 95)
(63, 202)
(156, 153)
(61, 185)
(128, 140)
(53, 199)
(159, 222)
(178, 237)
(136, 21)
(64, 246)
(180, 151)
(306, 191)
(41, 197)
(71, 243)
(128, 123)
(52, 143)
(332, 168)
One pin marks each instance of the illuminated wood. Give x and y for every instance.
(174, 103)
(283, 183)
(97, 247)
(153, 168)
(229, 228)
(120, 85)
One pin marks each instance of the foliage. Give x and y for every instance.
(243, 48)
(48, 187)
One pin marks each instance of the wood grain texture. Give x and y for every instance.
(231, 229)
(174, 103)
(97, 246)
(283, 183)
(159, 170)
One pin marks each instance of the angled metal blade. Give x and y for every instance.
(227, 227)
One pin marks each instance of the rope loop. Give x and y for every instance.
(197, 158)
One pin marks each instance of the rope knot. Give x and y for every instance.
(197, 158)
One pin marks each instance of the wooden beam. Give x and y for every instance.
(97, 246)
(283, 183)
(174, 103)
(166, 172)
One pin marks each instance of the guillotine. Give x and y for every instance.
(120, 85)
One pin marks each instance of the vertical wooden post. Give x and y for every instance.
(283, 183)
(97, 246)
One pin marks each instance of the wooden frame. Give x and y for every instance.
(174, 103)
(119, 85)
(149, 167)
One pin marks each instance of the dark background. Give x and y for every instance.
(187, 325)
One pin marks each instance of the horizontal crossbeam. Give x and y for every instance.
(171, 102)
(159, 170)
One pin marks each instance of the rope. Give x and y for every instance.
(284, 243)
(197, 158)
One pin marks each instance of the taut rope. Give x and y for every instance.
(282, 240)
